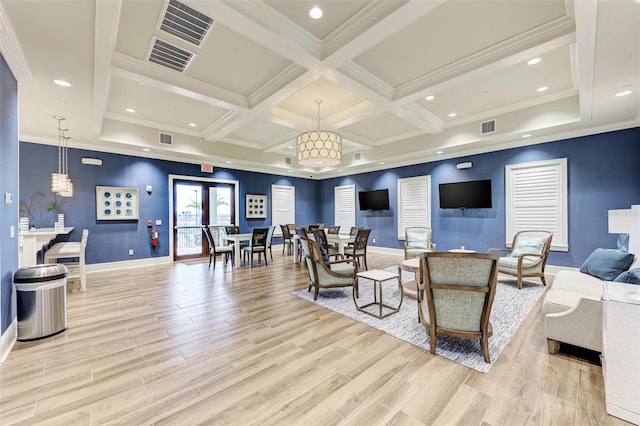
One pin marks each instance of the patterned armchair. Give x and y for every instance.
(417, 240)
(527, 256)
(456, 296)
(325, 274)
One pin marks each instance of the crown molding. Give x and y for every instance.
(11, 50)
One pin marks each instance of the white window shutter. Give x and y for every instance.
(283, 206)
(414, 203)
(344, 206)
(536, 199)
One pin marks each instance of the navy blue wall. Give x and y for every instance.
(8, 184)
(110, 241)
(603, 174)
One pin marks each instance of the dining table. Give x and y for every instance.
(237, 239)
(341, 240)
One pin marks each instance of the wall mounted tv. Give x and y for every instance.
(374, 200)
(475, 194)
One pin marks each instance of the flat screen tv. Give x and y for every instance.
(374, 200)
(475, 194)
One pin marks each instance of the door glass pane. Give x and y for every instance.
(189, 219)
(220, 205)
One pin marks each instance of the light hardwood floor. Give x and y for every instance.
(183, 344)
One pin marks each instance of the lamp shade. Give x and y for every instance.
(319, 148)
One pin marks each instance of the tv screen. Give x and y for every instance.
(474, 194)
(374, 200)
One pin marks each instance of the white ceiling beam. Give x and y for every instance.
(586, 13)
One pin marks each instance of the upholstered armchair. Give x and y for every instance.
(417, 240)
(326, 274)
(527, 256)
(456, 296)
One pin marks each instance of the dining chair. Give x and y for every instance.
(301, 231)
(231, 230)
(71, 250)
(227, 251)
(417, 240)
(333, 229)
(312, 228)
(359, 248)
(327, 250)
(258, 244)
(456, 296)
(287, 239)
(270, 240)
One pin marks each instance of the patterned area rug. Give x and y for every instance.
(510, 308)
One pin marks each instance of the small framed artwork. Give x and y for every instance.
(116, 203)
(256, 206)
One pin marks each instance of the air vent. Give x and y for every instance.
(166, 139)
(356, 156)
(287, 161)
(488, 127)
(170, 56)
(186, 23)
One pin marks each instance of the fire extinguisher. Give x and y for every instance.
(154, 237)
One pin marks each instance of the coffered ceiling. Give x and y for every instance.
(250, 82)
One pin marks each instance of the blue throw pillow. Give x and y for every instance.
(632, 276)
(607, 264)
(325, 255)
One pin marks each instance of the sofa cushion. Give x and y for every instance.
(579, 283)
(632, 276)
(607, 264)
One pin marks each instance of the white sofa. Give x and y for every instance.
(573, 310)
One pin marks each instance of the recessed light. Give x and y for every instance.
(315, 12)
(543, 88)
(430, 98)
(64, 103)
(533, 61)
(130, 110)
(453, 114)
(438, 152)
(527, 135)
(626, 90)
(340, 170)
(192, 124)
(289, 170)
(146, 149)
(382, 162)
(228, 162)
(290, 147)
(484, 92)
(62, 83)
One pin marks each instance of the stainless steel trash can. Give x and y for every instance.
(41, 292)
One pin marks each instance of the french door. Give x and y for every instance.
(197, 204)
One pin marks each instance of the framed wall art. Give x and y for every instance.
(116, 203)
(256, 206)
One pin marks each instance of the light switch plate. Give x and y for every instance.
(8, 198)
(158, 222)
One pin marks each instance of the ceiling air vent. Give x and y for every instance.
(356, 156)
(186, 23)
(488, 127)
(287, 161)
(166, 139)
(170, 56)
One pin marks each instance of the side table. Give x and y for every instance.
(410, 288)
(378, 277)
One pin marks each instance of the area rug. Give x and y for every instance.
(510, 308)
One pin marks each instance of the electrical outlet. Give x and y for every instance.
(374, 241)
(130, 252)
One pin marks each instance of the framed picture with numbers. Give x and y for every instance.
(256, 206)
(116, 203)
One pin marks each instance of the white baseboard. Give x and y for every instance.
(8, 340)
(126, 264)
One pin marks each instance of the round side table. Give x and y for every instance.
(410, 288)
